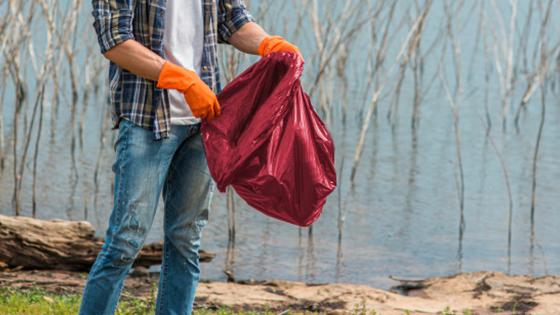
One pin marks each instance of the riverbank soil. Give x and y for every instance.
(467, 293)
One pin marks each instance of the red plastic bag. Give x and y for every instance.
(269, 143)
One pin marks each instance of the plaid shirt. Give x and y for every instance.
(136, 98)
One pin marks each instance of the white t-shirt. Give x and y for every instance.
(183, 42)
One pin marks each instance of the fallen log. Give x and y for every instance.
(30, 243)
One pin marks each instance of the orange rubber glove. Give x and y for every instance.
(200, 98)
(276, 43)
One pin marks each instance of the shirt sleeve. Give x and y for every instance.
(232, 14)
(112, 22)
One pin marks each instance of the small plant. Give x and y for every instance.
(448, 311)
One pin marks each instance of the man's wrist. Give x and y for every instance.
(248, 38)
(161, 64)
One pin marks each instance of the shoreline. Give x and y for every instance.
(474, 292)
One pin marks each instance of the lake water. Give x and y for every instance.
(402, 214)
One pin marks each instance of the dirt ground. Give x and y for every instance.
(479, 292)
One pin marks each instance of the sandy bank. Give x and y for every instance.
(480, 292)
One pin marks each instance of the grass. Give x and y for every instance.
(41, 302)
(15, 302)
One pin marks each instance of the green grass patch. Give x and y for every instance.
(37, 302)
(40, 302)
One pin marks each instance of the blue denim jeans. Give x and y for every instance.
(144, 168)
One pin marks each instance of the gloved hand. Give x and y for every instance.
(276, 43)
(200, 98)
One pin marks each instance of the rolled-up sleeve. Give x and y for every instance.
(232, 14)
(112, 22)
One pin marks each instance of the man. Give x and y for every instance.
(162, 76)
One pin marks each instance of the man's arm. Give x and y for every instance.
(113, 26)
(136, 58)
(237, 27)
(248, 38)
(251, 38)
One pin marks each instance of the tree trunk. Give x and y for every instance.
(58, 244)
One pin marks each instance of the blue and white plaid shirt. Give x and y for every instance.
(136, 98)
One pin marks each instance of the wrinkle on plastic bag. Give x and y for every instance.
(269, 144)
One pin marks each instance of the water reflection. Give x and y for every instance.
(310, 268)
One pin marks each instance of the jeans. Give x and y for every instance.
(144, 168)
